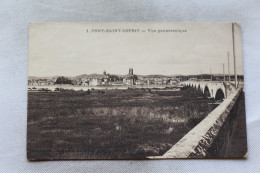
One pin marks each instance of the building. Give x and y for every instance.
(172, 82)
(158, 81)
(131, 78)
(85, 81)
(41, 82)
(95, 81)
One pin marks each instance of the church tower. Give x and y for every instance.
(131, 72)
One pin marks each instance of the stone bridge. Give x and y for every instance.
(214, 89)
(222, 134)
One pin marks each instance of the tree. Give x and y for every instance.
(63, 80)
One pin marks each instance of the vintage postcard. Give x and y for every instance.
(135, 91)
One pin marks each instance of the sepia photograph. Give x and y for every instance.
(135, 91)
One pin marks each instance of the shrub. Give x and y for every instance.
(63, 80)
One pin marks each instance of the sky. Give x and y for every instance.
(71, 49)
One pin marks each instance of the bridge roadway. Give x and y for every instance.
(212, 137)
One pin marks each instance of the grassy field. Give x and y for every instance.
(110, 124)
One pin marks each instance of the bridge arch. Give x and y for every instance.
(220, 95)
(207, 91)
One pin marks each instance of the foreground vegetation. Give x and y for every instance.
(111, 124)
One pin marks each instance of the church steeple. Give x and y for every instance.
(131, 71)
